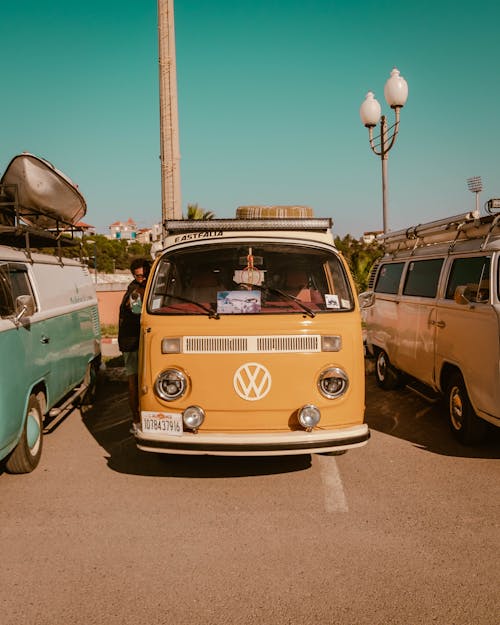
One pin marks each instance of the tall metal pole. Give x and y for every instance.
(383, 157)
(386, 141)
(171, 207)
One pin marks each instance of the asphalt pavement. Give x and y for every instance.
(404, 531)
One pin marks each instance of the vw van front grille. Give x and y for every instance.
(251, 344)
(289, 343)
(214, 344)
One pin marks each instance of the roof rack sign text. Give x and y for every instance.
(194, 236)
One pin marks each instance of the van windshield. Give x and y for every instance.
(250, 278)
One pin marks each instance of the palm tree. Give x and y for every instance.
(195, 212)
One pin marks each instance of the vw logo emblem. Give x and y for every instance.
(252, 381)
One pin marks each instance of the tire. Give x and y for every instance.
(465, 425)
(387, 376)
(26, 456)
(89, 397)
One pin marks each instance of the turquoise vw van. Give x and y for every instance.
(49, 326)
(49, 347)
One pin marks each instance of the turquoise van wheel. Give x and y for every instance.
(27, 453)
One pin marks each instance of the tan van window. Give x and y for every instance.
(472, 272)
(389, 277)
(422, 277)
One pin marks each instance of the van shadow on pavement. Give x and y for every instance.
(408, 416)
(109, 422)
(399, 413)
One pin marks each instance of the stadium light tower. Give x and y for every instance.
(396, 94)
(171, 207)
(475, 184)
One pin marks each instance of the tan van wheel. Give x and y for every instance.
(465, 425)
(26, 455)
(387, 376)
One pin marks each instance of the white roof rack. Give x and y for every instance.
(448, 230)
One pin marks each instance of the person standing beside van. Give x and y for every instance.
(129, 329)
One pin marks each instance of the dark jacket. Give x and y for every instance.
(129, 324)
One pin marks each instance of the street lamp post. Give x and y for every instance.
(396, 94)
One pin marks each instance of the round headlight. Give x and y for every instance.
(170, 384)
(193, 417)
(309, 416)
(333, 382)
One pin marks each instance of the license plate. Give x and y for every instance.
(161, 423)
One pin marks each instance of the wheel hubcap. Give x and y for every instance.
(381, 367)
(456, 408)
(33, 432)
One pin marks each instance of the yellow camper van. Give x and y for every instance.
(251, 339)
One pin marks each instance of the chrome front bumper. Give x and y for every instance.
(262, 444)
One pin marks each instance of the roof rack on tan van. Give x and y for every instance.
(461, 227)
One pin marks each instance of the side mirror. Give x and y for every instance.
(366, 299)
(467, 294)
(459, 295)
(25, 307)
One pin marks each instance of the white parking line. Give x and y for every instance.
(333, 490)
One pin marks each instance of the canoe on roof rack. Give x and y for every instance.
(41, 195)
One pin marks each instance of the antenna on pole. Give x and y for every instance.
(171, 207)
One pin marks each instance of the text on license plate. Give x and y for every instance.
(161, 423)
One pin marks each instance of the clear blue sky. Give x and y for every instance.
(269, 97)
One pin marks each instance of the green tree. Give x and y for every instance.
(195, 212)
(109, 254)
(360, 258)
(113, 254)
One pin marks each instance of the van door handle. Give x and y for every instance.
(438, 324)
(44, 339)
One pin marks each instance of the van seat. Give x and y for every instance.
(296, 284)
(204, 286)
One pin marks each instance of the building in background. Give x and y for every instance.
(129, 231)
(370, 237)
(126, 231)
(149, 235)
(84, 229)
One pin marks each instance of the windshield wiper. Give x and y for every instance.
(212, 314)
(271, 289)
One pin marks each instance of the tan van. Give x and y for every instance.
(432, 317)
(251, 340)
